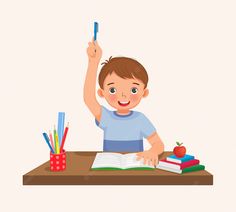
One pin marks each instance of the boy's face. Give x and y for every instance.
(122, 94)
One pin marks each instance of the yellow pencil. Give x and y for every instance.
(57, 144)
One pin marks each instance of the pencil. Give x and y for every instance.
(95, 30)
(51, 139)
(64, 138)
(47, 141)
(54, 135)
(57, 144)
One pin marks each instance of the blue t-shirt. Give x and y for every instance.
(124, 133)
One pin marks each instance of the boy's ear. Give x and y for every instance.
(100, 92)
(146, 92)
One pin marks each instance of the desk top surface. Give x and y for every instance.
(78, 172)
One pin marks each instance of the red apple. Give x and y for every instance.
(179, 150)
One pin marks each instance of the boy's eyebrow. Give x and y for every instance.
(135, 83)
(110, 83)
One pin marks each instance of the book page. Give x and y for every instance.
(130, 161)
(107, 159)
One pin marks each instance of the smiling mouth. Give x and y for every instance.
(123, 103)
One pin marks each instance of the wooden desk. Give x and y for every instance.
(78, 173)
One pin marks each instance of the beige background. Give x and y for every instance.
(188, 48)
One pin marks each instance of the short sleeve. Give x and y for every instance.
(105, 118)
(147, 128)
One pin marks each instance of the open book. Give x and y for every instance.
(117, 161)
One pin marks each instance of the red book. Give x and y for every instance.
(165, 163)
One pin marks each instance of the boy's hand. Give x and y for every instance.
(94, 52)
(150, 157)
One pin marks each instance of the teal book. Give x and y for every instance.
(116, 161)
(173, 158)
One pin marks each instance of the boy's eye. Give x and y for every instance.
(134, 90)
(112, 90)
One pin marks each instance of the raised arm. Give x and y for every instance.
(94, 53)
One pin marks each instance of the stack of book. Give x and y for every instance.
(188, 163)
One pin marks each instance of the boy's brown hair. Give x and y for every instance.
(125, 68)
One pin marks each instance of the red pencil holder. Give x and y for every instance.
(58, 161)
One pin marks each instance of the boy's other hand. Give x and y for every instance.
(94, 52)
(149, 157)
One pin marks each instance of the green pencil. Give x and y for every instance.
(56, 140)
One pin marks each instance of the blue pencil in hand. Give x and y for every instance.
(47, 141)
(95, 30)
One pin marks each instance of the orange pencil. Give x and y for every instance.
(64, 137)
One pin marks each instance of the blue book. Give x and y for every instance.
(60, 126)
(173, 158)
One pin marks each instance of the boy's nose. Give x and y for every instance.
(123, 95)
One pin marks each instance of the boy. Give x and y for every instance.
(123, 83)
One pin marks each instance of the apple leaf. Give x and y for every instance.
(179, 144)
